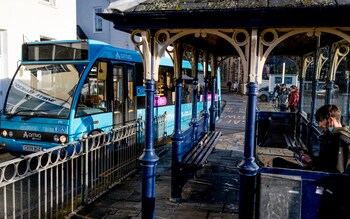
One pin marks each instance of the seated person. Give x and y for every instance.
(334, 144)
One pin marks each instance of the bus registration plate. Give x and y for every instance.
(31, 148)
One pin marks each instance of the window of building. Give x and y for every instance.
(97, 20)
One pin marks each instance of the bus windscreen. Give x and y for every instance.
(55, 52)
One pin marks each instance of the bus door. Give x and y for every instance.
(93, 111)
(124, 99)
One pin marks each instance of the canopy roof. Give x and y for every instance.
(153, 14)
(216, 14)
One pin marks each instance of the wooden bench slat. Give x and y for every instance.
(211, 144)
(199, 153)
(294, 143)
(196, 149)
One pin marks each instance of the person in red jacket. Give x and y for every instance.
(293, 98)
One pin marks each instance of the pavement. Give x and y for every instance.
(213, 194)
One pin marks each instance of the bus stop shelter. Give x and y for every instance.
(216, 30)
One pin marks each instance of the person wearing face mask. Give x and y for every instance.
(334, 154)
(333, 157)
(334, 143)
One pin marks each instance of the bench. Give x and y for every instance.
(294, 143)
(196, 157)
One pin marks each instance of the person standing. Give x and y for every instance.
(283, 98)
(293, 98)
(235, 87)
(229, 86)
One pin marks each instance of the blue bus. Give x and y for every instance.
(64, 90)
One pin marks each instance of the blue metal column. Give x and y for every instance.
(313, 100)
(314, 86)
(218, 79)
(300, 106)
(205, 98)
(177, 137)
(205, 104)
(301, 95)
(248, 168)
(213, 107)
(194, 119)
(149, 158)
(329, 92)
(177, 140)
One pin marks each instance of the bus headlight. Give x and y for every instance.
(56, 138)
(4, 133)
(63, 139)
(10, 134)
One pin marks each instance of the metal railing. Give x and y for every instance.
(59, 181)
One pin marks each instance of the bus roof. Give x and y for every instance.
(94, 48)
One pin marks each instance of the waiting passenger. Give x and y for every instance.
(334, 143)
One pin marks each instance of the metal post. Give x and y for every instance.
(149, 158)
(85, 145)
(313, 101)
(248, 168)
(205, 104)
(218, 79)
(194, 120)
(205, 98)
(329, 92)
(213, 107)
(301, 95)
(177, 140)
(300, 105)
(317, 67)
(346, 122)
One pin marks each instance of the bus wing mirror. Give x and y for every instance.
(102, 71)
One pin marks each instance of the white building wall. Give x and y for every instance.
(30, 20)
(85, 19)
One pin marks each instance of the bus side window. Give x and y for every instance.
(118, 94)
(92, 98)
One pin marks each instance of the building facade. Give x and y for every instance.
(97, 28)
(31, 20)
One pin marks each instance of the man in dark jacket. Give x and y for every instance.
(334, 143)
(333, 157)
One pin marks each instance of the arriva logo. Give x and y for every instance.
(123, 56)
(31, 135)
